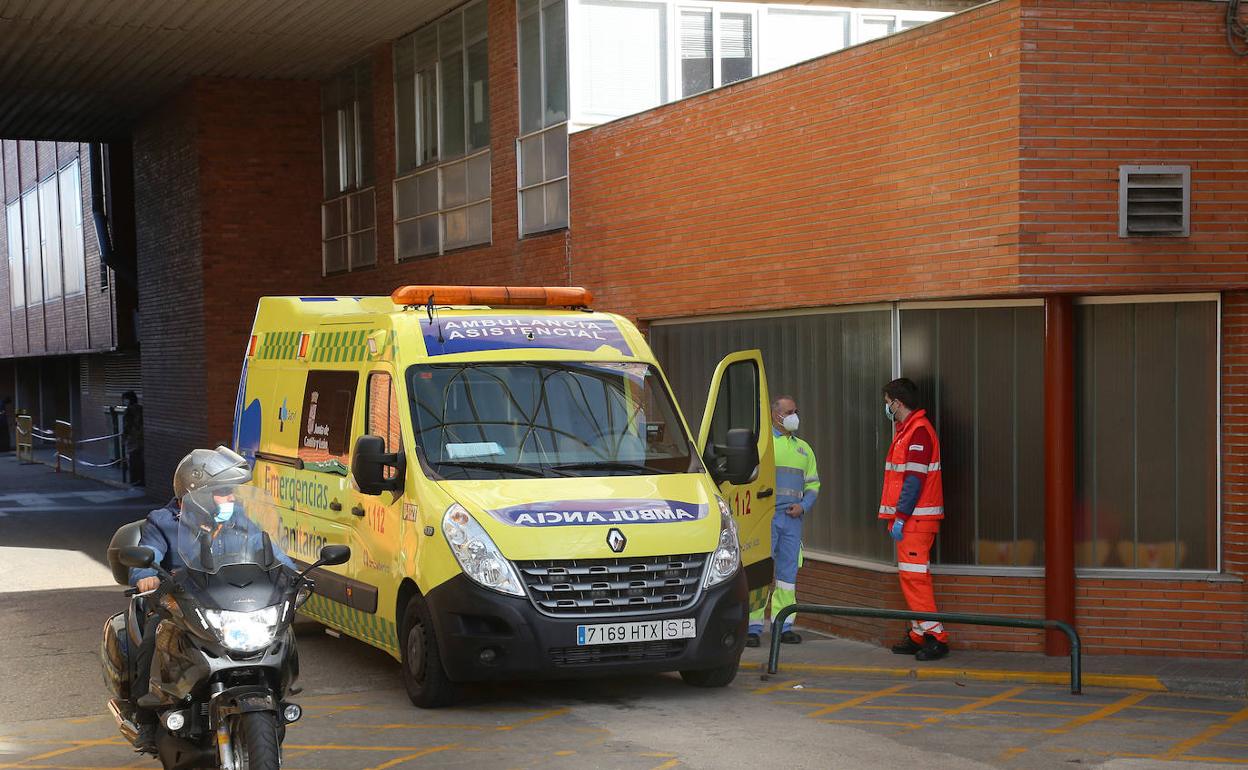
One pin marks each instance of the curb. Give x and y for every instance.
(1117, 681)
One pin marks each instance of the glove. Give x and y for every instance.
(895, 529)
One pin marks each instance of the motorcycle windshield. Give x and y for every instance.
(221, 526)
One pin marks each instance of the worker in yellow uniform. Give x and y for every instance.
(797, 486)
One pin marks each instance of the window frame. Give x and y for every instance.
(359, 182)
(80, 264)
(439, 163)
(15, 254)
(564, 125)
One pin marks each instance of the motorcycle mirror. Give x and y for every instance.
(335, 554)
(136, 556)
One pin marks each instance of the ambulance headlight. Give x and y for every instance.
(244, 631)
(726, 559)
(476, 553)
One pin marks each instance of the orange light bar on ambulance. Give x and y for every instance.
(526, 296)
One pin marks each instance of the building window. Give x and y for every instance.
(716, 48)
(980, 372)
(542, 148)
(31, 243)
(72, 250)
(624, 60)
(348, 218)
(50, 236)
(834, 364)
(875, 27)
(442, 121)
(1146, 423)
(792, 35)
(17, 283)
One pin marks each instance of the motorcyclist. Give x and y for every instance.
(220, 470)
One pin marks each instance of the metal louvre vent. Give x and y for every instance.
(1153, 200)
(584, 587)
(612, 653)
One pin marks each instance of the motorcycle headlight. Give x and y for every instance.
(726, 559)
(244, 631)
(476, 553)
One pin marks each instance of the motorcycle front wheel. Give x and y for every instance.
(253, 739)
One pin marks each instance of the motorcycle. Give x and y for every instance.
(225, 660)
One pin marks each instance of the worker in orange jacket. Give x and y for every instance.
(913, 505)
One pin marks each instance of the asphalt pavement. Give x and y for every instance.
(833, 703)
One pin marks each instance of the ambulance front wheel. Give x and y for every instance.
(720, 676)
(423, 674)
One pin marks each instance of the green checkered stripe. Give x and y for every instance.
(364, 626)
(279, 345)
(339, 347)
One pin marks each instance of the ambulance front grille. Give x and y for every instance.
(616, 653)
(639, 585)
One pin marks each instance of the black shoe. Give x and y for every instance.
(906, 646)
(933, 649)
(753, 640)
(790, 637)
(146, 740)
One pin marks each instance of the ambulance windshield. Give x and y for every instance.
(518, 420)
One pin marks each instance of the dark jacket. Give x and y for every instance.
(160, 533)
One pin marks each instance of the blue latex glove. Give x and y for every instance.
(895, 529)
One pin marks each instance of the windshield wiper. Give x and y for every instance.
(500, 467)
(615, 465)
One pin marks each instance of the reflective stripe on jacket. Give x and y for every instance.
(897, 465)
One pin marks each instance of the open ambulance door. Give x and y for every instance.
(736, 435)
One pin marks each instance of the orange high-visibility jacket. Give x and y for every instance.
(897, 465)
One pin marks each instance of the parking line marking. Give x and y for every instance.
(1119, 681)
(775, 687)
(668, 764)
(975, 706)
(1105, 711)
(417, 755)
(879, 722)
(857, 701)
(1212, 731)
(1009, 754)
(533, 720)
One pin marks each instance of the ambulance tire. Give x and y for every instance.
(423, 675)
(720, 676)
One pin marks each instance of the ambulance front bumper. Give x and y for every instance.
(484, 635)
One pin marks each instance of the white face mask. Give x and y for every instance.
(790, 422)
(889, 413)
(225, 511)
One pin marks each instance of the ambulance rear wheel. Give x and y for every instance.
(423, 675)
(720, 676)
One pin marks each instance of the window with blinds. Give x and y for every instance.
(625, 58)
(697, 57)
(792, 35)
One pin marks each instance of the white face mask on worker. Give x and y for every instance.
(791, 422)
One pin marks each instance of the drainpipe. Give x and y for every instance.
(1059, 468)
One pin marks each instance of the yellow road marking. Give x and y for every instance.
(832, 709)
(1186, 711)
(1212, 731)
(1009, 754)
(1101, 713)
(415, 726)
(417, 755)
(1119, 681)
(879, 722)
(76, 745)
(775, 687)
(668, 764)
(564, 753)
(999, 729)
(975, 706)
(539, 718)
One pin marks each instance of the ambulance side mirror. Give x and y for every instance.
(368, 465)
(742, 455)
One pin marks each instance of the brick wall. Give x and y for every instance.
(851, 178)
(65, 324)
(259, 184)
(171, 294)
(1108, 83)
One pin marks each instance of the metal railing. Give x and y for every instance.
(1076, 657)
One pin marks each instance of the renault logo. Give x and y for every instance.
(616, 540)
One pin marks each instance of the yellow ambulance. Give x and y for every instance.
(520, 493)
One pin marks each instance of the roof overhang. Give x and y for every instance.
(87, 70)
